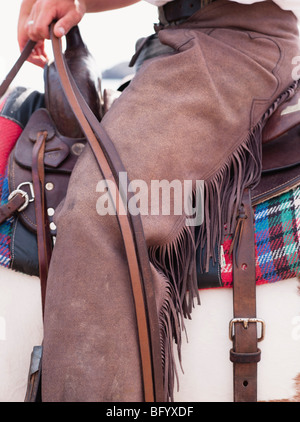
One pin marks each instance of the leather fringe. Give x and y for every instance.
(224, 191)
(171, 263)
(176, 261)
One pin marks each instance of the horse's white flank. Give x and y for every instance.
(21, 328)
(208, 371)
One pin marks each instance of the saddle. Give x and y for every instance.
(63, 143)
(40, 167)
(280, 151)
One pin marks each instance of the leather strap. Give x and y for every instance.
(243, 328)
(17, 66)
(43, 232)
(131, 229)
(11, 207)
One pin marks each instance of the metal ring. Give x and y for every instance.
(30, 188)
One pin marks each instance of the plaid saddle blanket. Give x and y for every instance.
(277, 221)
(277, 240)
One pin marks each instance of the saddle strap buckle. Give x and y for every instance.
(24, 194)
(245, 322)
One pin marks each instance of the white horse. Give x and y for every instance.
(208, 373)
(21, 328)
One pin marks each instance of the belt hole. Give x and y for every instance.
(245, 383)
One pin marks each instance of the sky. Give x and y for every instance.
(110, 36)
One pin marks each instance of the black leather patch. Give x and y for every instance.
(24, 250)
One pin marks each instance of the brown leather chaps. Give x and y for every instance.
(193, 115)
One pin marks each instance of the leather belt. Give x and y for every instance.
(243, 327)
(181, 9)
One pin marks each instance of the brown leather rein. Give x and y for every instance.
(16, 67)
(130, 226)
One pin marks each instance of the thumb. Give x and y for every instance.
(63, 25)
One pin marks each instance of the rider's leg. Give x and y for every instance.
(193, 115)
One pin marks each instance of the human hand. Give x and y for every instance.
(36, 16)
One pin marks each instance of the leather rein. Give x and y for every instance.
(130, 226)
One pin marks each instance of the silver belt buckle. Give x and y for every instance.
(24, 194)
